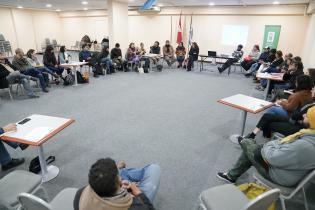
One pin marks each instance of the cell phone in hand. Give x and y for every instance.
(24, 121)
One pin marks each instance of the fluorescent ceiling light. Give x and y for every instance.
(276, 2)
(160, 5)
(84, 2)
(85, 8)
(58, 10)
(211, 4)
(20, 7)
(48, 5)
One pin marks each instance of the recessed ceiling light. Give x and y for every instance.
(48, 5)
(58, 10)
(20, 7)
(160, 5)
(85, 9)
(84, 2)
(276, 2)
(211, 4)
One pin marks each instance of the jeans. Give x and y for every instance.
(278, 110)
(282, 86)
(36, 73)
(108, 62)
(180, 59)
(248, 159)
(169, 60)
(4, 154)
(148, 178)
(20, 78)
(57, 70)
(254, 68)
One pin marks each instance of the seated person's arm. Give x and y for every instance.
(291, 104)
(278, 155)
(140, 198)
(8, 128)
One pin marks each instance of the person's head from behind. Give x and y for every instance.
(19, 53)
(30, 53)
(256, 48)
(117, 45)
(63, 49)
(309, 118)
(239, 47)
(49, 49)
(304, 82)
(279, 54)
(297, 59)
(156, 44)
(104, 177)
(273, 51)
(311, 72)
(132, 45)
(167, 43)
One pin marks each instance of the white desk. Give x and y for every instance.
(270, 77)
(74, 65)
(246, 104)
(36, 132)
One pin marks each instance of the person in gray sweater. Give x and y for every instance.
(283, 161)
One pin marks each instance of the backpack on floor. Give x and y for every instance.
(68, 79)
(80, 78)
(253, 190)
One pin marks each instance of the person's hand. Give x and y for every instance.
(10, 127)
(89, 58)
(135, 191)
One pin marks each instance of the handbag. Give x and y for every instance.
(35, 164)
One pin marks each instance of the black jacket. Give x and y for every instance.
(140, 202)
(194, 53)
(155, 50)
(115, 53)
(50, 59)
(4, 73)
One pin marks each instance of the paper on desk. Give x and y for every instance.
(38, 133)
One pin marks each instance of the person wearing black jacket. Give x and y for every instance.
(193, 55)
(262, 58)
(50, 61)
(113, 187)
(116, 56)
(9, 75)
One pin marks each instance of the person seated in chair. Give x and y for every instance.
(21, 64)
(104, 59)
(237, 55)
(262, 58)
(116, 187)
(86, 56)
(9, 75)
(283, 161)
(193, 55)
(155, 49)
(34, 62)
(133, 56)
(116, 56)
(63, 55)
(168, 53)
(50, 61)
(6, 161)
(180, 54)
(251, 58)
(146, 60)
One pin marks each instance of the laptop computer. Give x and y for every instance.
(212, 53)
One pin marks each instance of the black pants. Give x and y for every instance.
(270, 123)
(247, 64)
(191, 60)
(228, 63)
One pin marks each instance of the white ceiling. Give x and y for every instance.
(68, 5)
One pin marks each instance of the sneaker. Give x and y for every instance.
(121, 164)
(13, 163)
(223, 176)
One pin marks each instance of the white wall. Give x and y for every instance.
(309, 46)
(67, 27)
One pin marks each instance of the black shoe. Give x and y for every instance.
(248, 75)
(45, 90)
(240, 139)
(33, 96)
(95, 75)
(23, 146)
(13, 163)
(225, 177)
(220, 70)
(250, 136)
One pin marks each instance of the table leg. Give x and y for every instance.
(75, 76)
(267, 89)
(50, 172)
(234, 137)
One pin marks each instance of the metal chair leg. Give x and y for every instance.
(282, 203)
(10, 92)
(305, 199)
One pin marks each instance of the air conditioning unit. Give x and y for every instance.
(153, 10)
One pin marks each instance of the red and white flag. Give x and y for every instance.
(179, 30)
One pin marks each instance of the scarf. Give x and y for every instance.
(310, 131)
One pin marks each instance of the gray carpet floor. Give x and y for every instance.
(171, 118)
